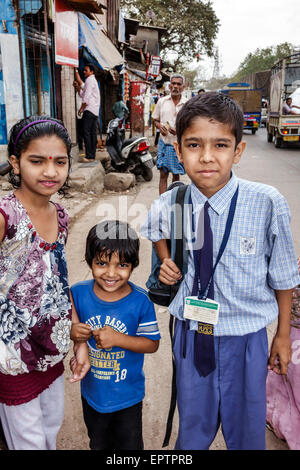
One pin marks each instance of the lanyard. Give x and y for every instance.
(203, 292)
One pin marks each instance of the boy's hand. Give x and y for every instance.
(169, 273)
(106, 337)
(280, 354)
(80, 332)
(79, 363)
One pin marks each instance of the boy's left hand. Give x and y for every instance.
(280, 354)
(106, 337)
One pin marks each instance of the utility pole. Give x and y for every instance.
(216, 71)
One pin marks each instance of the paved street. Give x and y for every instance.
(261, 162)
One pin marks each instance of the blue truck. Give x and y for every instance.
(249, 99)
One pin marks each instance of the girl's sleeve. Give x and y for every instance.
(63, 218)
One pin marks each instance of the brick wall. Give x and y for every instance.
(68, 101)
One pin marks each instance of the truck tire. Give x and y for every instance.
(269, 137)
(253, 131)
(278, 142)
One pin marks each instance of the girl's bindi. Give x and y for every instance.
(50, 158)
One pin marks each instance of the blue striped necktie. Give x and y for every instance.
(204, 351)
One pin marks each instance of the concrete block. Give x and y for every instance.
(88, 177)
(119, 181)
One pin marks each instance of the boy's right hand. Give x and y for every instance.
(169, 272)
(80, 332)
(80, 363)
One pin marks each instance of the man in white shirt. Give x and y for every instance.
(164, 116)
(90, 95)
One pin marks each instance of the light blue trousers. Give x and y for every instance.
(233, 395)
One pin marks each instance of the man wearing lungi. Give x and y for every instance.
(164, 117)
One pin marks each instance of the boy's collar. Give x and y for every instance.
(219, 201)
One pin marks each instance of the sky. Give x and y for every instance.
(246, 25)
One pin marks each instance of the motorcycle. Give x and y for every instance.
(128, 155)
(5, 168)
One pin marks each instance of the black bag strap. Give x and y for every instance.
(172, 407)
(178, 260)
(177, 231)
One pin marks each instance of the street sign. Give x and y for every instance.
(154, 68)
(66, 35)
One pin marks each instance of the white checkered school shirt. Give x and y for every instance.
(259, 257)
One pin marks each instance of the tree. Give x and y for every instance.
(263, 59)
(191, 26)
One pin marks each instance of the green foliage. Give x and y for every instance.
(191, 26)
(263, 59)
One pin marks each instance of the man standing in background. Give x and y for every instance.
(120, 109)
(90, 95)
(164, 116)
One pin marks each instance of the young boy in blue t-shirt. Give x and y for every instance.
(118, 321)
(251, 285)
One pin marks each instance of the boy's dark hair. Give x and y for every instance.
(90, 66)
(113, 236)
(40, 129)
(211, 105)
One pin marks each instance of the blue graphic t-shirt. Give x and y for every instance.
(115, 380)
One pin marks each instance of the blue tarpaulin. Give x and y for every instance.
(8, 17)
(97, 44)
(30, 7)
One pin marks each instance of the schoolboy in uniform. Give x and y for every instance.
(221, 366)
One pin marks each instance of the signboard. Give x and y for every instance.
(137, 101)
(66, 35)
(154, 68)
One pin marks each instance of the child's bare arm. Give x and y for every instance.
(280, 354)
(169, 272)
(79, 363)
(79, 331)
(107, 337)
(2, 227)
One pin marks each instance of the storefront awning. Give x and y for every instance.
(87, 6)
(92, 38)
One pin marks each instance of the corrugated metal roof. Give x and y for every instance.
(98, 44)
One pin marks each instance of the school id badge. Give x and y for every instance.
(201, 310)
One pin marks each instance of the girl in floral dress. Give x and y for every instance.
(283, 392)
(35, 309)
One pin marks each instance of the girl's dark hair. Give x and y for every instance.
(113, 236)
(211, 105)
(40, 129)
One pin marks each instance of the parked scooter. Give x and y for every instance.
(128, 155)
(5, 168)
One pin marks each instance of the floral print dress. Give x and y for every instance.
(35, 308)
